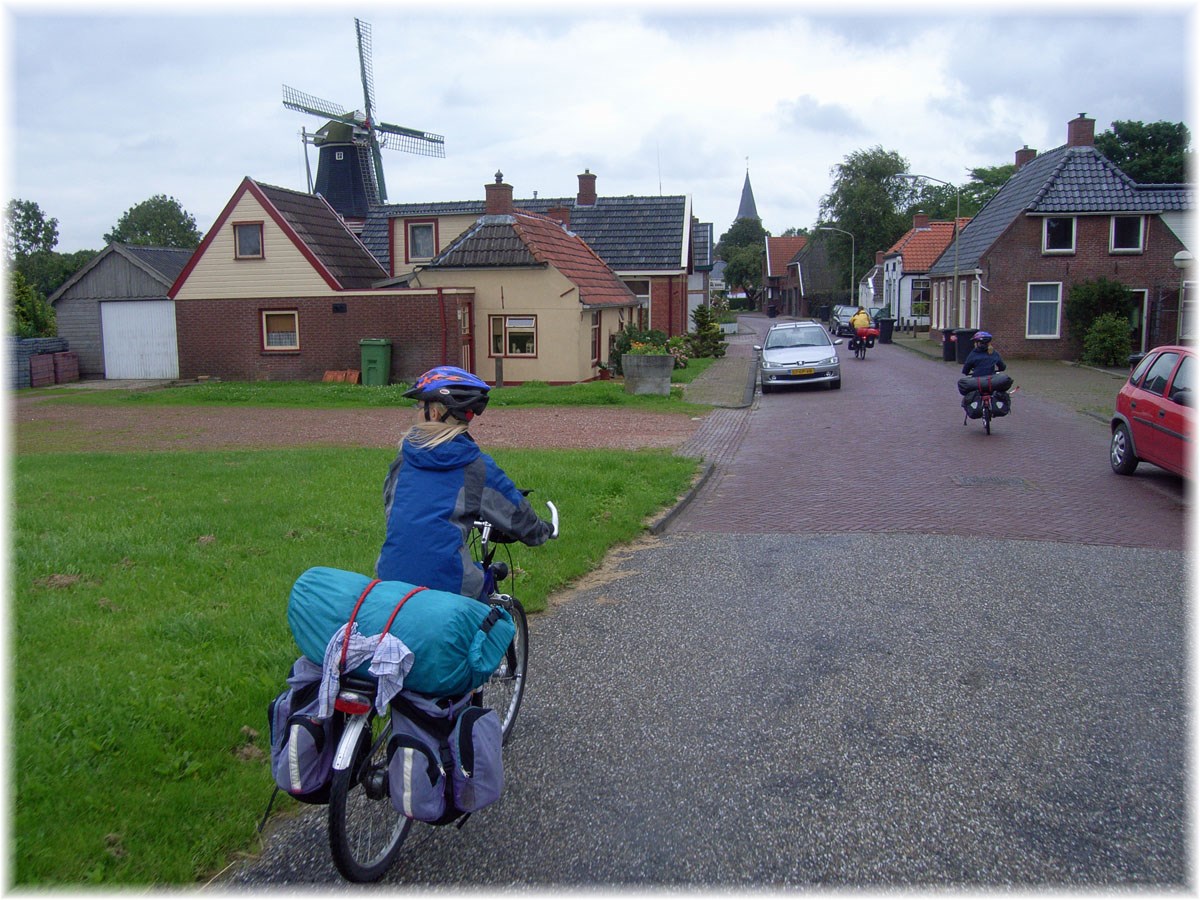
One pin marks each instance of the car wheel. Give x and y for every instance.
(766, 389)
(835, 385)
(1120, 451)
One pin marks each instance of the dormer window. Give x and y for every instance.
(1058, 234)
(248, 240)
(420, 241)
(1126, 234)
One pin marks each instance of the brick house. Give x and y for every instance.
(647, 241)
(817, 279)
(1066, 216)
(281, 290)
(781, 281)
(905, 284)
(546, 307)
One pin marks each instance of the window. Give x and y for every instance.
(1160, 373)
(248, 240)
(920, 297)
(1125, 234)
(595, 335)
(281, 330)
(1184, 379)
(421, 242)
(1042, 312)
(1058, 235)
(514, 335)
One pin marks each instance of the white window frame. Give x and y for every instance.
(1112, 235)
(409, 228)
(267, 346)
(248, 227)
(1058, 303)
(509, 324)
(1046, 235)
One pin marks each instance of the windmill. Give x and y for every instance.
(350, 166)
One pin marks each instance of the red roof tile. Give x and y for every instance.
(780, 251)
(920, 247)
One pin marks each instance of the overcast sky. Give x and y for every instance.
(112, 104)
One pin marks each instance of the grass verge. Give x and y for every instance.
(149, 604)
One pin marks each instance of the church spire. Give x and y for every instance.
(747, 209)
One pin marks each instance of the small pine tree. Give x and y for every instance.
(707, 341)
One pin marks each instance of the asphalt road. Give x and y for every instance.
(878, 649)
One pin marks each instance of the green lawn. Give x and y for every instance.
(149, 598)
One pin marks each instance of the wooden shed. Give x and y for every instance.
(116, 315)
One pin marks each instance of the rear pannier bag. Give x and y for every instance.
(302, 744)
(457, 642)
(973, 405)
(444, 761)
(1001, 403)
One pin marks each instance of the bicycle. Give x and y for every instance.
(366, 831)
(865, 339)
(991, 406)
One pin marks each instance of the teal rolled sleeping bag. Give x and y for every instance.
(454, 649)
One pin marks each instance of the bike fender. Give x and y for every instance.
(348, 743)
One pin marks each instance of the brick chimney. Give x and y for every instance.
(1025, 155)
(920, 220)
(499, 197)
(587, 189)
(879, 257)
(1081, 132)
(560, 214)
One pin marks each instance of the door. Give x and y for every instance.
(466, 332)
(1147, 408)
(139, 339)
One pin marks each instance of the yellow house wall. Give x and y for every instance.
(564, 348)
(282, 272)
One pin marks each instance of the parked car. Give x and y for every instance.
(839, 320)
(798, 353)
(1155, 413)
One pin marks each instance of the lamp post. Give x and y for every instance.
(957, 213)
(853, 302)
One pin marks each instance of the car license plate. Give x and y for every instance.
(803, 371)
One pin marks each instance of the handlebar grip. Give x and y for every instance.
(553, 518)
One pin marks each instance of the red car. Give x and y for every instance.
(1154, 418)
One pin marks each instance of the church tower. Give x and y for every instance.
(747, 209)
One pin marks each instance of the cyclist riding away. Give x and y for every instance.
(440, 483)
(983, 361)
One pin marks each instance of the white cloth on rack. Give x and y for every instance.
(390, 659)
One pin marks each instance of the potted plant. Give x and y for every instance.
(647, 368)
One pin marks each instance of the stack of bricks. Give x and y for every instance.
(66, 367)
(41, 370)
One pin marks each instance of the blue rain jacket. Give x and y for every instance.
(431, 498)
(981, 364)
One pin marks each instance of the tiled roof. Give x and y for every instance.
(780, 252)
(523, 239)
(1074, 180)
(325, 235)
(168, 262)
(631, 234)
(702, 245)
(920, 247)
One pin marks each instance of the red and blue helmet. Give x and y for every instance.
(464, 395)
(982, 337)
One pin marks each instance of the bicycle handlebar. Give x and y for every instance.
(553, 518)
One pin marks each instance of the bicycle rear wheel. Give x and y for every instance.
(504, 690)
(365, 830)
(987, 417)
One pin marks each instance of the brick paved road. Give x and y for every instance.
(889, 453)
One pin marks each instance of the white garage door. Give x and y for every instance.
(139, 339)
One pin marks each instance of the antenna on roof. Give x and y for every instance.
(658, 157)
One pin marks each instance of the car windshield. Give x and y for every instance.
(797, 337)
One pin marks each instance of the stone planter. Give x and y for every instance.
(647, 374)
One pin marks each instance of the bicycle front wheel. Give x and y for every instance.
(504, 690)
(365, 830)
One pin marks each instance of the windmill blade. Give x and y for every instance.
(410, 140)
(365, 67)
(302, 102)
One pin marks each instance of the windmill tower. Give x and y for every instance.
(350, 164)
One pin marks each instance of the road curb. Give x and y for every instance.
(660, 524)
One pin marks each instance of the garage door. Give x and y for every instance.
(139, 339)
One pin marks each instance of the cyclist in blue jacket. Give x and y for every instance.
(440, 483)
(982, 361)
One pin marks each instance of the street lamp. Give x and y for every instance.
(853, 302)
(957, 212)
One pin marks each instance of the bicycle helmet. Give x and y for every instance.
(982, 337)
(464, 395)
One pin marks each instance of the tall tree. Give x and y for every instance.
(1157, 153)
(27, 230)
(868, 201)
(742, 248)
(158, 222)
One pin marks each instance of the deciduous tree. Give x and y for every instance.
(1157, 153)
(158, 222)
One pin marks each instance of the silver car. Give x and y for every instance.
(798, 353)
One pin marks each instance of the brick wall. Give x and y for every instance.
(1017, 259)
(668, 304)
(223, 338)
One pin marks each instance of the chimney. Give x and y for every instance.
(879, 257)
(587, 189)
(920, 220)
(499, 197)
(560, 214)
(1081, 132)
(1025, 155)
